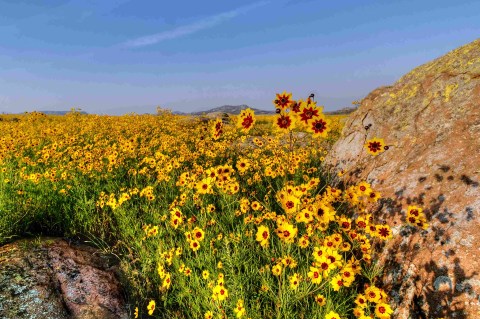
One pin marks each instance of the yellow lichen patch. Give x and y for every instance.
(392, 99)
(449, 89)
(412, 92)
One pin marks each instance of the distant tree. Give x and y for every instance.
(163, 111)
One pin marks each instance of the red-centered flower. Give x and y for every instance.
(308, 113)
(217, 129)
(318, 126)
(320, 212)
(384, 232)
(283, 100)
(320, 299)
(247, 122)
(375, 146)
(295, 107)
(284, 121)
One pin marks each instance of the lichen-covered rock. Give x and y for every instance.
(430, 119)
(48, 278)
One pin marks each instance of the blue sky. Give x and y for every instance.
(118, 56)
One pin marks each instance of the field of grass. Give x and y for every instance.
(207, 220)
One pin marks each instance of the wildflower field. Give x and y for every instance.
(207, 219)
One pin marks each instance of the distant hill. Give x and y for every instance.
(345, 110)
(235, 109)
(232, 109)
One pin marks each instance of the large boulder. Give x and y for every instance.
(49, 278)
(430, 119)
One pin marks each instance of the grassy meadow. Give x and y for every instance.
(207, 219)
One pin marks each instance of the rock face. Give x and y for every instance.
(430, 119)
(49, 278)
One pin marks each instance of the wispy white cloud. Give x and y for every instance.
(191, 28)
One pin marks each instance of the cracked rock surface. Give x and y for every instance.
(49, 278)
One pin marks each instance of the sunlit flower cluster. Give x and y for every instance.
(215, 218)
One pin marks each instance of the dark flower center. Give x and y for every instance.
(320, 126)
(384, 232)
(374, 146)
(247, 122)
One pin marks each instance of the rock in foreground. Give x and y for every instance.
(49, 278)
(430, 119)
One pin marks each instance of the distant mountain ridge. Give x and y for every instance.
(236, 109)
(232, 109)
(345, 110)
